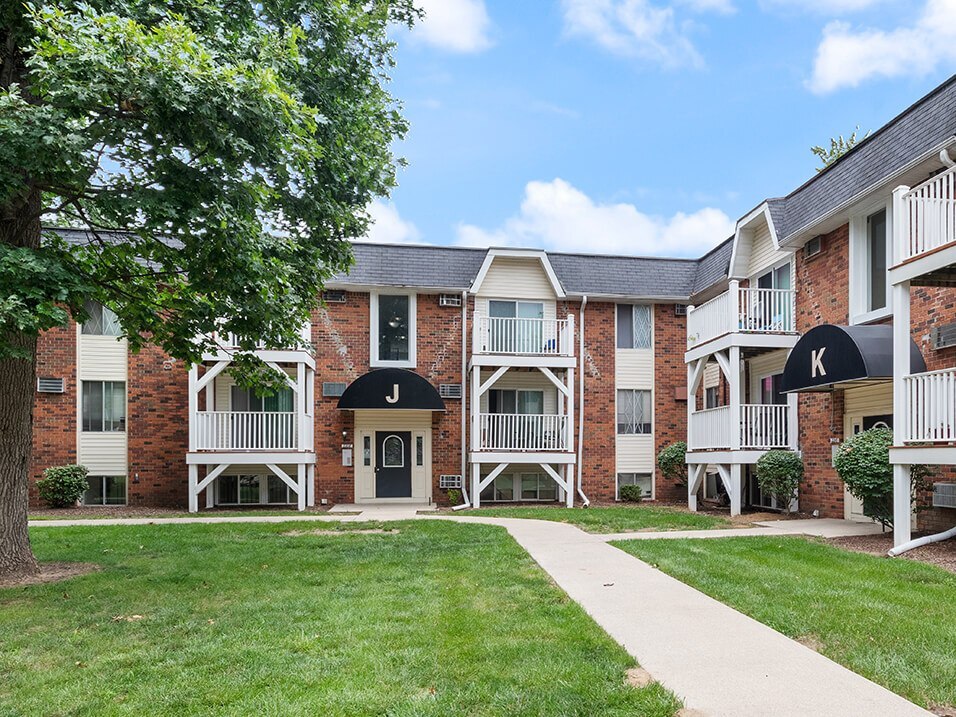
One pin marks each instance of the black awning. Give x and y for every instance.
(391, 388)
(829, 355)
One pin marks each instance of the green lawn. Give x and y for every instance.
(237, 619)
(611, 519)
(893, 621)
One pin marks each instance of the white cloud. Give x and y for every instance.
(825, 7)
(388, 226)
(455, 25)
(633, 28)
(723, 7)
(846, 56)
(557, 216)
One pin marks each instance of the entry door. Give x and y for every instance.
(854, 506)
(393, 464)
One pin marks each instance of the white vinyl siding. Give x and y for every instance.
(764, 365)
(550, 307)
(634, 368)
(101, 358)
(763, 256)
(222, 390)
(516, 278)
(874, 400)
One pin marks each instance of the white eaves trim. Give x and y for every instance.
(538, 254)
(745, 232)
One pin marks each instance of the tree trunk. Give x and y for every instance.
(19, 226)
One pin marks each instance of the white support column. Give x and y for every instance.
(730, 477)
(570, 418)
(569, 493)
(694, 478)
(193, 395)
(734, 389)
(475, 483)
(193, 480)
(902, 508)
(211, 495)
(301, 483)
(475, 407)
(300, 398)
(793, 421)
(310, 485)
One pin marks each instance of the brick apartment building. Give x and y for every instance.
(529, 375)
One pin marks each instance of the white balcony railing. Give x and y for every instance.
(928, 216)
(523, 432)
(761, 426)
(523, 337)
(930, 400)
(246, 430)
(228, 341)
(744, 310)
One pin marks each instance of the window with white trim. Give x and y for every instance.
(103, 406)
(393, 452)
(393, 326)
(253, 490)
(633, 412)
(870, 258)
(521, 487)
(105, 490)
(634, 326)
(641, 479)
(101, 321)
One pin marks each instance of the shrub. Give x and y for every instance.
(672, 462)
(454, 496)
(863, 463)
(63, 486)
(779, 474)
(631, 493)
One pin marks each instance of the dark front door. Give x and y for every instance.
(393, 464)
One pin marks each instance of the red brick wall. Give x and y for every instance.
(670, 373)
(54, 414)
(599, 463)
(822, 298)
(157, 429)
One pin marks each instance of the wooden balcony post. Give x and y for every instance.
(193, 405)
(734, 389)
(901, 226)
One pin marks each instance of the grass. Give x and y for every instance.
(612, 519)
(892, 621)
(436, 619)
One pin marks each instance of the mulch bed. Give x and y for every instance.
(50, 573)
(942, 555)
(129, 511)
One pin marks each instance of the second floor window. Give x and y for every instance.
(244, 399)
(876, 260)
(633, 412)
(102, 321)
(104, 406)
(633, 326)
(393, 330)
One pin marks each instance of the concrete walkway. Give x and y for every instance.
(717, 660)
(817, 527)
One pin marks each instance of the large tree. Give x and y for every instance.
(218, 155)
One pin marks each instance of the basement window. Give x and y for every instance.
(105, 490)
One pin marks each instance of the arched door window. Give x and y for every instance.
(393, 452)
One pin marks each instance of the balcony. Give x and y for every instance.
(927, 217)
(760, 427)
(742, 311)
(227, 343)
(516, 432)
(523, 337)
(246, 431)
(930, 401)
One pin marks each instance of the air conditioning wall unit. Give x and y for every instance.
(449, 300)
(449, 390)
(50, 385)
(944, 495)
(680, 309)
(813, 247)
(333, 389)
(333, 296)
(447, 482)
(943, 336)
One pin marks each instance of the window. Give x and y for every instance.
(102, 321)
(633, 412)
(524, 486)
(869, 263)
(367, 450)
(393, 452)
(253, 490)
(634, 326)
(876, 255)
(710, 397)
(769, 310)
(516, 327)
(244, 399)
(105, 490)
(393, 330)
(770, 390)
(641, 479)
(104, 406)
(515, 401)
(419, 450)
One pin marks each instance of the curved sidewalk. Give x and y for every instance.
(720, 662)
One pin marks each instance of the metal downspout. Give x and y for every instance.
(584, 498)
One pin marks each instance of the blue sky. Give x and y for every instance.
(639, 126)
